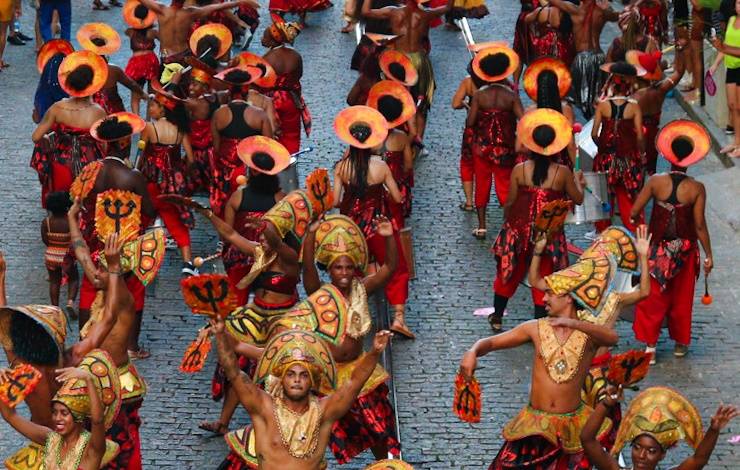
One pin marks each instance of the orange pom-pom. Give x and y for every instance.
(706, 299)
(577, 127)
(198, 261)
(241, 180)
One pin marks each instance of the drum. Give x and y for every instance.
(591, 210)
(289, 177)
(587, 149)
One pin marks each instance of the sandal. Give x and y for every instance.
(466, 207)
(140, 353)
(480, 233)
(399, 326)
(496, 323)
(216, 427)
(727, 148)
(348, 28)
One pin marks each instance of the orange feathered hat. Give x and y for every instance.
(79, 59)
(263, 154)
(395, 90)
(508, 57)
(397, 66)
(544, 131)
(50, 49)
(540, 65)
(683, 142)
(99, 38)
(136, 15)
(116, 119)
(211, 30)
(361, 127)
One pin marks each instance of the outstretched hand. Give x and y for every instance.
(75, 209)
(69, 373)
(613, 395)
(467, 364)
(642, 244)
(724, 414)
(113, 246)
(381, 340)
(218, 326)
(383, 226)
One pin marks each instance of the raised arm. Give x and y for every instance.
(565, 6)
(156, 7)
(311, 280)
(82, 252)
(249, 394)
(703, 452)
(439, 11)
(287, 255)
(29, 430)
(510, 339)
(591, 446)
(339, 402)
(375, 13)
(534, 277)
(202, 12)
(381, 276)
(126, 81)
(228, 233)
(600, 335)
(643, 250)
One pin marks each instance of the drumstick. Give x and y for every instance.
(302, 151)
(198, 261)
(605, 206)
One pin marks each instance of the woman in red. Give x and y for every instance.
(677, 223)
(286, 94)
(493, 113)
(618, 134)
(143, 65)
(463, 96)
(59, 156)
(360, 182)
(231, 123)
(534, 183)
(164, 167)
(550, 38)
(397, 106)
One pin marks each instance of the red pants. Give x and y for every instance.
(676, 301)
(88, 291)
(507, 289)
(235, 275)
(397, 288)
(623, 200)
(466, 169)
(170, 215)
(485, 172)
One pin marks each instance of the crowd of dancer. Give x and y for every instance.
(226, 128)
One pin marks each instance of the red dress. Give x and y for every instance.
(548, 40)
(650, 125)
(405, 181)
(109, 100)
(493, 153)
(291, 110)
(142, 67)
(523, 35)
(363, 209)
(72, 149)
(618, 154)
(201, 141)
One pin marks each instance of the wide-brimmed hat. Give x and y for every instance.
(268, 78)
(479, 46)
(389, 464)
(392, 90)
(131, 12)
(263, 154)
(648, 61)
(164, 97)
(117, 126)
(397, 66)
(50, 326)
(200, 71)
(79, 59)
(217, 35)
(50, 49)
(509, 61)
(683, 142)
(361, 127)
(99, 38)
(544, 131)
(623, 69)
(241, 75)
(542, 64)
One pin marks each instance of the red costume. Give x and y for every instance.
(363, 209)
(298, 6)
(164, 169)
(142, 67)
(201, 140)
(655, 19)
(674, 266)
(650, 125)
(72, 149)
(493, 153)
(515, 242)
(551, 41)
(291, 110)
(466, 155)
(109, 100)
(405, 181)
(619, 157)
(523, 35)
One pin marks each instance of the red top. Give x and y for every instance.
(494, 135)
(364, 209)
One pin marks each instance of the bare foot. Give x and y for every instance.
(728, 148)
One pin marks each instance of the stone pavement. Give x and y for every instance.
(454, 276)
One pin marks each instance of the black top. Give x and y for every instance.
(238, 127)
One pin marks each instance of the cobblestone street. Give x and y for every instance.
(454, 275)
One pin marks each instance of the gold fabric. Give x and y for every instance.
(252, 323)
(620, 243)
(49, 317)
(607, 313)
(53, 459)
(558, 428)
(291, 215)
(287, 348)
(261, 262)
(359, 320)
(344, 373)
(53, 444)
(118, 211)
(588, 281)
(561, 359)
(337, 236)
(389, 464)
(244, 444)
(96, 313)
(299, 432)
(324, 312)
(426, 84)
(665, 415)
(26, 458)
(133, 386)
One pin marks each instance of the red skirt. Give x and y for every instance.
(125, 432)
(143, 67)
(368, 423)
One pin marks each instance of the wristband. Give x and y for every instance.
(117, 273)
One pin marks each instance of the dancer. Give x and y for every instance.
(143, 65)
(60, 266)
(462, 99)
(676, 223)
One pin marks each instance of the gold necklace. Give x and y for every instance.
(561, 359)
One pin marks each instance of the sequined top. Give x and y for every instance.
(495, 135)
(364, 209)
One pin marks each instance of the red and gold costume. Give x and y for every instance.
(298, 6)
(109, 100)
(72, 149)
(125, 428)
(466, 155)
(654, 17)
(619, 157)
(143, 65)
(552, 41)
(291, 110)
(493, 153)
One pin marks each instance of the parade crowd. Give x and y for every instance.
(218, 141)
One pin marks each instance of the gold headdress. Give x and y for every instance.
(588, 281)
(324, 313)
(339, 236)
(143, 256)
(663, 414)
(617, 241)
(52, 324)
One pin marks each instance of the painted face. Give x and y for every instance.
(556, 303)
(62, 419)
(297, 382)
(646, 453)
(341, 272)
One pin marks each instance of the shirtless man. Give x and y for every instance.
(175, 22)
(411, 24)
(297, 398)
(589, 19)
(564, 349)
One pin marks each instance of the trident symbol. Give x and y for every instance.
(320, 193)
(550, 214)
(118, 215)
(195, 357)
(210, 297)
(18, 383)
(630, 364)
